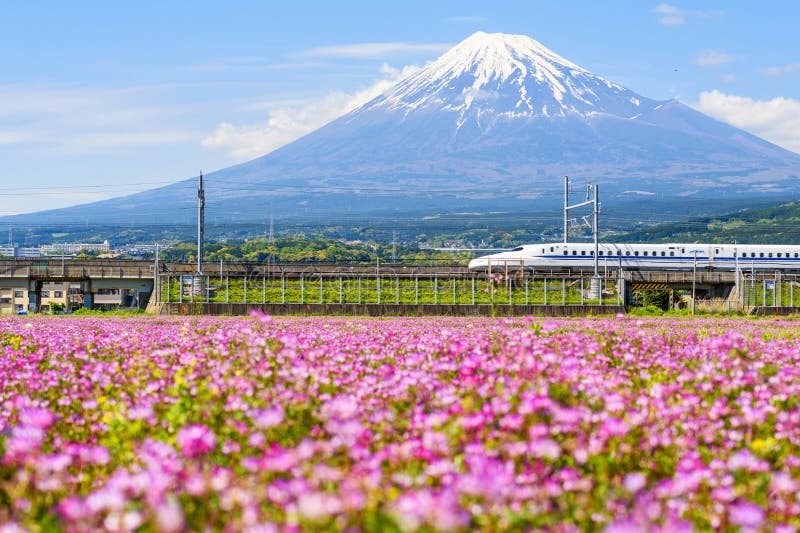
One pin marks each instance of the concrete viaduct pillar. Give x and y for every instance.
(88, 296)
(34, 295)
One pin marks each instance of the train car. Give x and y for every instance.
(644, 257)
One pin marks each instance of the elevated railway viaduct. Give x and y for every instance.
(234, 288)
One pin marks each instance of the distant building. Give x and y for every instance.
(15, 251)
(72, 247)
(13, 300)
(28, 253)
(54, 292)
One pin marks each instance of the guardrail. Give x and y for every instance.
(75, 272)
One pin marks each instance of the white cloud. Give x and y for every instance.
(776, 120)
(712, 58)
(16, 136)
(74, 120)
(377, 50)
(785, 69)
(670, 15)
(290, 121)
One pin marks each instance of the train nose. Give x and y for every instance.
(478, 263)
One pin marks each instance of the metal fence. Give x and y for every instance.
(462, 288)
(770, 289)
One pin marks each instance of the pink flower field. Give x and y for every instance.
(433, 424)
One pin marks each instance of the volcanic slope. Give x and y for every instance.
(492, 124)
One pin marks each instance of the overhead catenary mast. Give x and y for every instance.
(201, 208)
(594, 201)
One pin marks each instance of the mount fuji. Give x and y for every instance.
(492, 124)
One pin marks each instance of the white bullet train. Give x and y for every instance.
(644, 257)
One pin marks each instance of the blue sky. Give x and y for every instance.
(99, 99)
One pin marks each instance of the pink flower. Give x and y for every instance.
(634, 482)
(169, 515)
(317, 505)
(439, 510)
(196, 440)
(782, 482)
(37, 417)
(743, 460)
(261, 316)
(625, 525)
(545, 448)
(341, 408)
(268, 418)
(12, 527)
(747, 515)
(23, 442)
(72, 509)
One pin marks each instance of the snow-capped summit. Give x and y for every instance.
(507, 76)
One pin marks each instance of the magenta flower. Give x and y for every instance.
(196, 440)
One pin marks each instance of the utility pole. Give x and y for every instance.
(156, 284)
(694, 279)
(596, 281)
(201, 208)
(595, 219)
(394, 246)
(271, 238)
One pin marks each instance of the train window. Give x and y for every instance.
(518, 249)
(683, 250)
(779, 254)
(769, 254)
(583, 252)
(601, 252)
(543, 250)
(574, 252)
(716, 250)
(761, 254)
(663, 254)
(671, 253)
(645, 253)
(795, 254)
(635, 253)
(591, 252)
(628, 252)
(619, 252)
(566, 252)
(551, 248)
